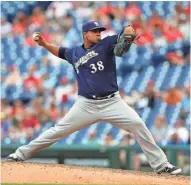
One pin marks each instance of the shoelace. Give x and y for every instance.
(166, 169)
(170, 166)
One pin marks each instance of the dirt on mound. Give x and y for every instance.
(57, 173)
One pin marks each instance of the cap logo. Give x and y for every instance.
(96, 23)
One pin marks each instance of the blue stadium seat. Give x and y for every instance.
(114, 131)
(185, 74)
(79, 136)
(166, 84)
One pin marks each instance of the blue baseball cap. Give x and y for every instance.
(92, 25)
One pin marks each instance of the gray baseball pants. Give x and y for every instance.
(86, 112)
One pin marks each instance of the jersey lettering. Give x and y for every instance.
(85, 59)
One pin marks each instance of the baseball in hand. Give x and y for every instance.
(34, 36)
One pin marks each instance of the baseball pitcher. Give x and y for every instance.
(98, 95)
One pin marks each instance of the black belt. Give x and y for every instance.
(101, 97)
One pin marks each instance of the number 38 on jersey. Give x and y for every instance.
(98, 66)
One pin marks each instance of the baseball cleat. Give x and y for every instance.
(12, 157)
(170, 169)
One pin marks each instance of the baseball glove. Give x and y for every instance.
(124, 43)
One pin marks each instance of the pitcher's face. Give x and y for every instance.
(93, 36)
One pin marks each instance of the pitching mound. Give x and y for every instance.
(56, 173)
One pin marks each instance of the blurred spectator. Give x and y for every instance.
(83, 10)
(14, 77)
(150, 93)
(180, 130)
(57, 37)
(92, 140)
(46, 81)
(105, 10)
(109, 140)
(173, 96)
(40, 112)
(183, 20)
(26, 95)
(175, 140)
(30, 121)
(139, 159)
(156, 21)
(187, 59)
(37, 18)
(17, 112)
(107, 24)
(46, 33)
(172, 34)
(6, 109)
(145, 32)
(5, 125)
(175, 58)
(55, 61)
(126, 141)
(72, 36)
(64, 99)
(46, 66)
(184, 160)
(6, 27)
(53, 111)
(160, 40)
(31, 81)
(132, 99)
(23, 134)
(138, 24)
(4, 68)
(184, 27)
(159, 130)
(63, 111)
(43, 81)
(41, 92)
(18, 28)
(186, 99)
(13, 134)
(51, 97)
(148, 96)
(117, 12)
(132, 11)
(45, 62)
(22, 18)
(58, 9)
(74, 93)
(62, 90)
(185, 110)
(67, 24)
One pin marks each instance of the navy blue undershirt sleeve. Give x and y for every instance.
(62, 53)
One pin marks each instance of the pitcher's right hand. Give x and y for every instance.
(38, 38)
